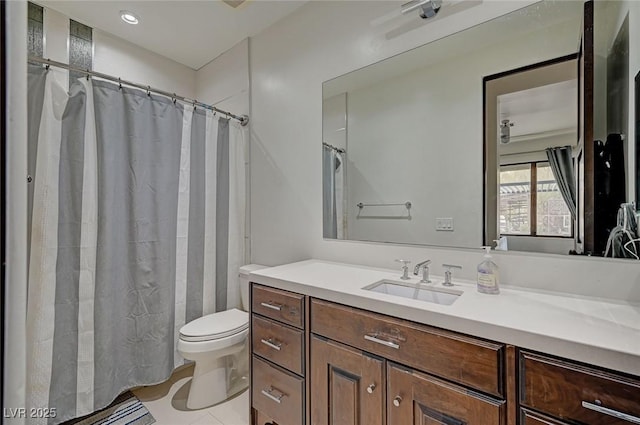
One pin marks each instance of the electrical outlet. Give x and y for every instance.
(444, 224)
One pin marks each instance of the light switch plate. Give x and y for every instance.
(444, 224)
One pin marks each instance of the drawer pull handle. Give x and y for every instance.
(370, 388)
(272, 306)
(611, 412)
(397, 400)
(268, 392)
(381, 341)
(272, 343)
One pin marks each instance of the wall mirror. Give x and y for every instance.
(412, 150)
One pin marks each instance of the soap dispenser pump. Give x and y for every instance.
(488, 274)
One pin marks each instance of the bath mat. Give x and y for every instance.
(125, 410)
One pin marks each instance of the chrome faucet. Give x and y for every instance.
(425, 271)
(448, 272)
(405, 269)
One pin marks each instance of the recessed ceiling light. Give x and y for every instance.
(129, 17)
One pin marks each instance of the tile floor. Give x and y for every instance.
(167, 404)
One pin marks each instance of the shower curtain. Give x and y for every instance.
(333, 183)
(137, 227)
(561, 163)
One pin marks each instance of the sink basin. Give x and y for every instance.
(416, 292)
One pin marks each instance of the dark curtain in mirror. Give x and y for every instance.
(561, 162)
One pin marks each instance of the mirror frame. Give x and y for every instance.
(490, 163)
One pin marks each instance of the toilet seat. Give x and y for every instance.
(193, 350)
(215, 326)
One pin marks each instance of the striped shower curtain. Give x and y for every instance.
(137, 212)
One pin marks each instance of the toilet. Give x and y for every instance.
(209, 341)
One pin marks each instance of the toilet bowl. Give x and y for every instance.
(209, 341)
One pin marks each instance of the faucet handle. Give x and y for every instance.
(448, 273)
(405, 268)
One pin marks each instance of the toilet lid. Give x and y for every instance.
(215, 326)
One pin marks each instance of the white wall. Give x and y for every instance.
(120, 58)
(224, 83)
(289, 62)
(334, 121)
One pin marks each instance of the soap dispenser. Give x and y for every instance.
(488, 275)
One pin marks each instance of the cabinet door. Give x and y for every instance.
(347, 385)
(419, 399)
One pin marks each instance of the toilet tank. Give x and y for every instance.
(244, 282)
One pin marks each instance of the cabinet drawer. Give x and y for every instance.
(260, 418)
(277, 394)
(278, 343)
(418, 398)
(456, 357)
(284, 306)
(578, 393)
(527, 417)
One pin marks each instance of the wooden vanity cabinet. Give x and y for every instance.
(528, 417)
(278, 384)
(260, 418)
(316, 362)
(466, 360)
(576, 393)
(284, 306)
(347, 385)
(419, 399)
(372, 372)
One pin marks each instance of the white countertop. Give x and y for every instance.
(599, 332)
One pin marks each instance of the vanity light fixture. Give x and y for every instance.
(505, 131)
(129, 17)
(427, 8)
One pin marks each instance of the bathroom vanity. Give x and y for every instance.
(326, 350)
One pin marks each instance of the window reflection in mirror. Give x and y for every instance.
(549, 213)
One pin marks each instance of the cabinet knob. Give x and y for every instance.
(370, 388)
(397, 400)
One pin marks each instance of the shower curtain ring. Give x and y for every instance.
(119, 84)
(149, 91)
(194, 104)
(174, 98)
(88, 74)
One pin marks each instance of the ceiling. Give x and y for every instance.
(541, 111)
(189, 32)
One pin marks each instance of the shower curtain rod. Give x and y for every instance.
(243, 119)
(333, 147)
